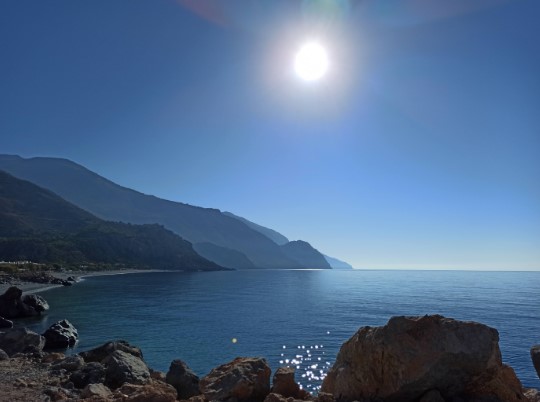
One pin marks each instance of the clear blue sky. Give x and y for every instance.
(420, 148)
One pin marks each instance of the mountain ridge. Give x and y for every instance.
(110, 201)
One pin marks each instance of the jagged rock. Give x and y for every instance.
(283, 383)
(535, 356)
(70, 363)
(96, 390)
(13, 293)
(38, 303)
(157, 375)
(183, 379)
(60, 335)
(21, 340)
(3, 355)
(155, 391)
(100, 353)
(123, 367)
(12, 306)
(411, 355)
(90, 373)
(5, 323)
(432, 396)
(245, 379)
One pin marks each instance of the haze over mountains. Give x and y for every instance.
(37, 225)
(226, 239)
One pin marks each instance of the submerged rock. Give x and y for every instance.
(535, 356)
(183, 379)
(123, 367)
(21, 340)
(245, 379)
(61, 335)
(409, 356)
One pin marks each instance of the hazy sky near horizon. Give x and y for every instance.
(420, 148)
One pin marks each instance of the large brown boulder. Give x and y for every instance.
(409, 356)
(535, 356)
(183, 379)
(283, 383)
(245, 379)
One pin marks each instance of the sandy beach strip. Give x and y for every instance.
(33, 287)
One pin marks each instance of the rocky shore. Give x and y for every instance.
(410, 359)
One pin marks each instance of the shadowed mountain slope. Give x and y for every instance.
(276, 237)
(303, 251)
(38, 225)
(110, 201)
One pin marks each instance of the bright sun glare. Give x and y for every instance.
(311, 62)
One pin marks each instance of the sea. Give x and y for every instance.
(294, 318)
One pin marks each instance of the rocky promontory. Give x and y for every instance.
(410, 359)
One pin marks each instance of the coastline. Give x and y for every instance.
(34, 287)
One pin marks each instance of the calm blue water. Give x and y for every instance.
(280, 315)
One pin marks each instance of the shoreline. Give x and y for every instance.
(35, 287)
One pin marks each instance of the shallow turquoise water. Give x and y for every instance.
(280, 315)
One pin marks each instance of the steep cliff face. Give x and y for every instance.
(305, 254)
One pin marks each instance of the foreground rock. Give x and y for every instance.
(60, 335)
(411, 356)
(284, 384)
(123, 367)
(535, 356)
(100, 353)
(21, 340)
(183, 379)
(245, 379)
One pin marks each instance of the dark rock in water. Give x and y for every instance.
(245, 379)
(21, 340)
(535, 356)
(123, 367)
(12, 306)
(71, 279)
(283, 383)
(100, 353)
(3, 355)
(13, 293)
(90, 373)
(60, 335)
(183, 379)
(38, 303)
(5, 323)
(409, 356)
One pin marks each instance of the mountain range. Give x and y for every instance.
(222, 237)
(37, 225)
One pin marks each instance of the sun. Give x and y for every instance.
(311, 62)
